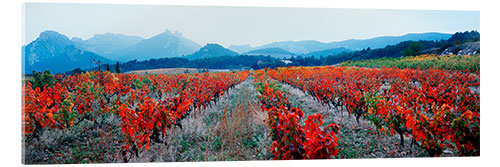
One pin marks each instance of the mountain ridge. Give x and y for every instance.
(51, 44)
(211, 50)
(309, 46)
(105, 44)
(382, 41)
(273, 52)
(166, 44)
(55, 52)
(329, 52)
(240, 48)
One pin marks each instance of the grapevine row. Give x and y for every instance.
(291, 139)
(438, 108)
(147, 104)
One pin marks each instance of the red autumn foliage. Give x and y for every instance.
(147, 104)
(434, 106)
(291, 139)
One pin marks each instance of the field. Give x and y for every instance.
(176, 71)
(448, 62)
(284, 113)
(165, 71)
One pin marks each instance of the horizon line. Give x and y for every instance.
(276, 41)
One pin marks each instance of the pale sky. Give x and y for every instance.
(239, 25)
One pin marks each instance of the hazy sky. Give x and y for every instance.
(239, 25)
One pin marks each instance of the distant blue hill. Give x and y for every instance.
(166, 44)
(105, 44)
(55, 52)
(240, 48)
(309, 46)
(383, 41)
(274, 52)
(298, 47)
(211, 50)
(329, 52)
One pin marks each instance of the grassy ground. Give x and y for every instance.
(88, 142)
(231, 129)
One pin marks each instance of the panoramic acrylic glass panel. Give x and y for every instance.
(154, 83)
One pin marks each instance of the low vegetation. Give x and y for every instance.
(448, 62)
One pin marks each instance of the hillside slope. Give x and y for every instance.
(55, 52)
(166, 44)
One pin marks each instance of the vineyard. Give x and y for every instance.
(439, 109)
(284, 113)
(448, 62)
(148, 105)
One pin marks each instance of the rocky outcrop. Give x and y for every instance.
(468, 48)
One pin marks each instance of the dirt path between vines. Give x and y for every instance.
(356, 140)
(231, 129)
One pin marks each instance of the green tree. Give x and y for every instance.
(413, 49)
(107, 67)
(117, 67)
(41, 80)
